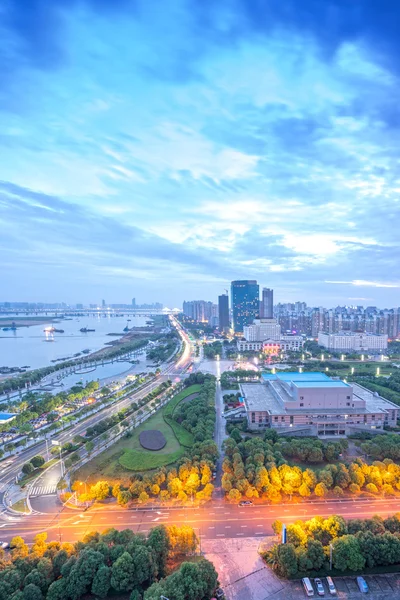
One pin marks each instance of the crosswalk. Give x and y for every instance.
(43, 490)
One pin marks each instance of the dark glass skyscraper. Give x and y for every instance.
(267, 304)
(223, 312)
(245, 303)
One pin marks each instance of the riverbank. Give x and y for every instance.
(27, 321)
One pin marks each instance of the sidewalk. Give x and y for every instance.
(241, 571)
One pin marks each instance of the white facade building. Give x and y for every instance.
(262, 329)
(284, 343)
(353, 341)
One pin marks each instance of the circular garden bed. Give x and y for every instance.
(152, 439)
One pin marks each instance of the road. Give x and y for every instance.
(212, 521)
(12, 466)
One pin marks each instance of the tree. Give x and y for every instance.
(36, 578)
(287, 560)
(32, 592)
(315, 554)
(89, 446)
(39, 547)
(37, 461)
(304, 490)
(18, 547)
(28, 468)
(124, 497)
(234, 495)
(371, 488)
(100, 490)
(159, 541)
(102, 582)
(182, 539)
(338, 491)
(123, 573)
(347, 554)
(320, 490)
(57, 590)
(143, 498)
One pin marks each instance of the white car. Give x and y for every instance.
(4, 545)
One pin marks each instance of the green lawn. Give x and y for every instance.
(184, 437)
(127, 455)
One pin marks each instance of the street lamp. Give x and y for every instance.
(57, 443)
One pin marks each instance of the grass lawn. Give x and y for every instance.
(20, 506)
(127, 455)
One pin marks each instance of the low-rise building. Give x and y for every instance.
(315, 404)
(284, 343)
(353, 341)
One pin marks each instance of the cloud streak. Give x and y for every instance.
(170, 149)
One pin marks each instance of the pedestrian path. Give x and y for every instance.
(43, 490)
(3, 486)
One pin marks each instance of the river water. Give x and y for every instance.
(34, 347)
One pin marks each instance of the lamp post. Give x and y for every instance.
(57, 443)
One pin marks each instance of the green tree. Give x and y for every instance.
(159, 542)
(37, 461)
(123, 573)
(32, 592)
(315, 554)
(28, 468)
(102, 582)
(287, 560)
(347, 554)
(234, 495)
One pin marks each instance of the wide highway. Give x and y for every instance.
(214, 520)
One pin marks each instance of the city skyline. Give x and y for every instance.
(192, 145)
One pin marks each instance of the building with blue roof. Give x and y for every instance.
(314, 404)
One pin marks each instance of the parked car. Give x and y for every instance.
(245, 503)
(362, 585)
(214, 474)
(331, 586)
(219, 594)
(319, 586)
(4, 545)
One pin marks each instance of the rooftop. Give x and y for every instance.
(259, 397)
(314, 379)
(296, 376)
(331, 383)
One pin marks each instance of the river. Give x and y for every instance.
(37, 348)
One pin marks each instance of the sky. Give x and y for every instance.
(159, 150)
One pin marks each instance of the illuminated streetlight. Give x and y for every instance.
(352, 370)
(322, 357)
(362, 357)
(302, 357)
(342, 357)
(300, 369)
(378, 370)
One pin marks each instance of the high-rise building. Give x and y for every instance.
(267, 304)
(245, 303)
(103, 303)
(200, 310)
(262, 329)
(223, 312)
(134, 302)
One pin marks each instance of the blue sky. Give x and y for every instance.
(161, 149)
